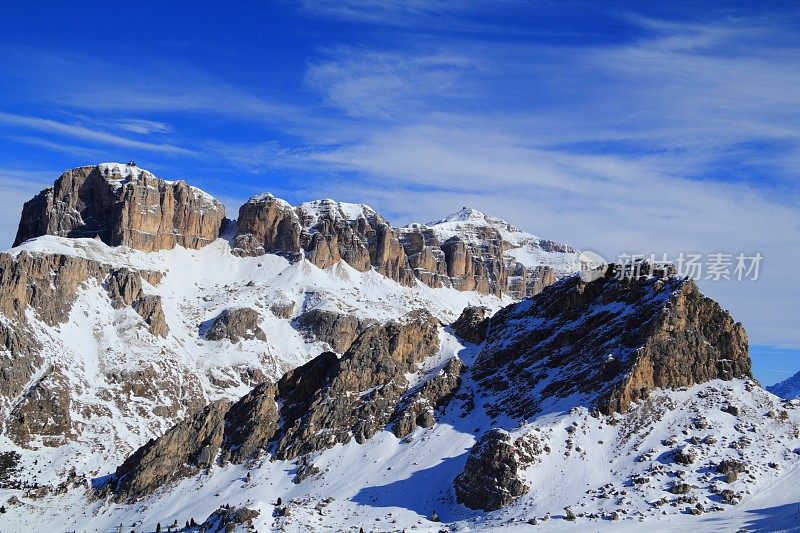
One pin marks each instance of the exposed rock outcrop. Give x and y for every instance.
(471, 324)
(467, 251)
(338, 330)
(607, 344)
(353, 397)
(327, 401)
(419, 407)
(282, 309)
(492, 477)
(122, 205)
(149, 308)
(227, 519)
(23, 358)
(124, 287)
(46, 285)
(472, 251)
(184, 450)
(251, 423)
(43, 411)
(241, 323)
(324, 232)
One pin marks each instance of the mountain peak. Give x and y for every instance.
(473, 216)
(121, 204)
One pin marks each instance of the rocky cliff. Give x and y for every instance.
(324, 232)
(468, 251)
(325, 402)
(122, 205)
(607, 343)
(39, 290)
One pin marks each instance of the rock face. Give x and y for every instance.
(338, 330)
(184, 450)
(324, 232)
(607, 343)
(235, 325)
(353, 397)
(149, 308)
(419, 407)
(468, 251)
(492, 476)
(471, 325)
(46, 285)
(327, 401)
(123, 206)
(251, 422)
(43, 411)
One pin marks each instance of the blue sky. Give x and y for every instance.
(614, 126)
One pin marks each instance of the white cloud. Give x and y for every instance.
(77, 131)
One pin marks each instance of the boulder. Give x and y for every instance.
(241, 323)
(492, 476)
(471, 325)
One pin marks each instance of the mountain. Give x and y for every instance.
(789, 388)
(480, 253)
(313, 367)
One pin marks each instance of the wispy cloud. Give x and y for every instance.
(144, 127)
(77, 131)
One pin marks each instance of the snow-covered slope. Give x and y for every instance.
(113, 364)
(525, 248)
(675, 449)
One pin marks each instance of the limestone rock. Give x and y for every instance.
(337, 329)
(23, 358)
(607, 344)
(227, 518)
(149, 308)
(329, 400)
(491, 478)
(123, 206)
(324, 232)
(267, 225)
(182, 451)
(45, 284)
(418, 408)
(236, 324)
(471, 325)
(282, 309)
(43, 411)
(124, 286)
(324, 402)
(470, 258)
(251, 423)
